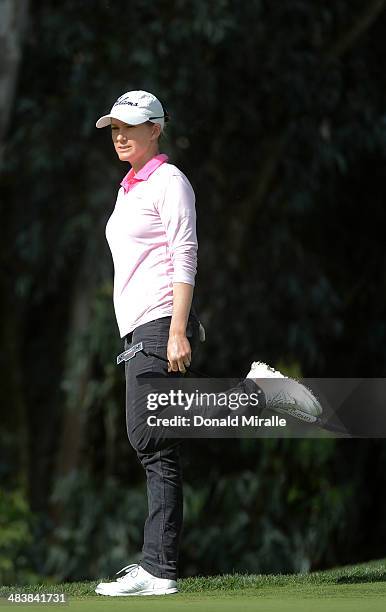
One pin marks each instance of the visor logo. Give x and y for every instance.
(123, 100)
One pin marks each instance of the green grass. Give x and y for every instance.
(355, 588)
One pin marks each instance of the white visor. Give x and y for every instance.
(134, 108)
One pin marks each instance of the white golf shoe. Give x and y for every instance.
(136, 581)
(290, 397)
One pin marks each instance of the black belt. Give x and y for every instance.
(139, 348)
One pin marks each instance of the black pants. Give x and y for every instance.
(159, 457)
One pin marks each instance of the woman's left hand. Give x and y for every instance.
(179, 353)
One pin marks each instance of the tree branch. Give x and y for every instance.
(275, 148)
(359, 27)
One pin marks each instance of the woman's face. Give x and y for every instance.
(135, 143)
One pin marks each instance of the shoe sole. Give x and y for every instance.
(292, 405)
(297, 414)
(153, 592)
(290, 401)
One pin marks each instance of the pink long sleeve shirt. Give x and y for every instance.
(153, 241)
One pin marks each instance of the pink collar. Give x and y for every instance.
(131, 179)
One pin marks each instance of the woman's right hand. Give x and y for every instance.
(179, 353)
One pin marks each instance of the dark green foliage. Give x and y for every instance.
(101, 526)
(16, 529)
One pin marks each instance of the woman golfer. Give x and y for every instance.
(152, 237)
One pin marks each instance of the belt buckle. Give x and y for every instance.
(130, 353)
